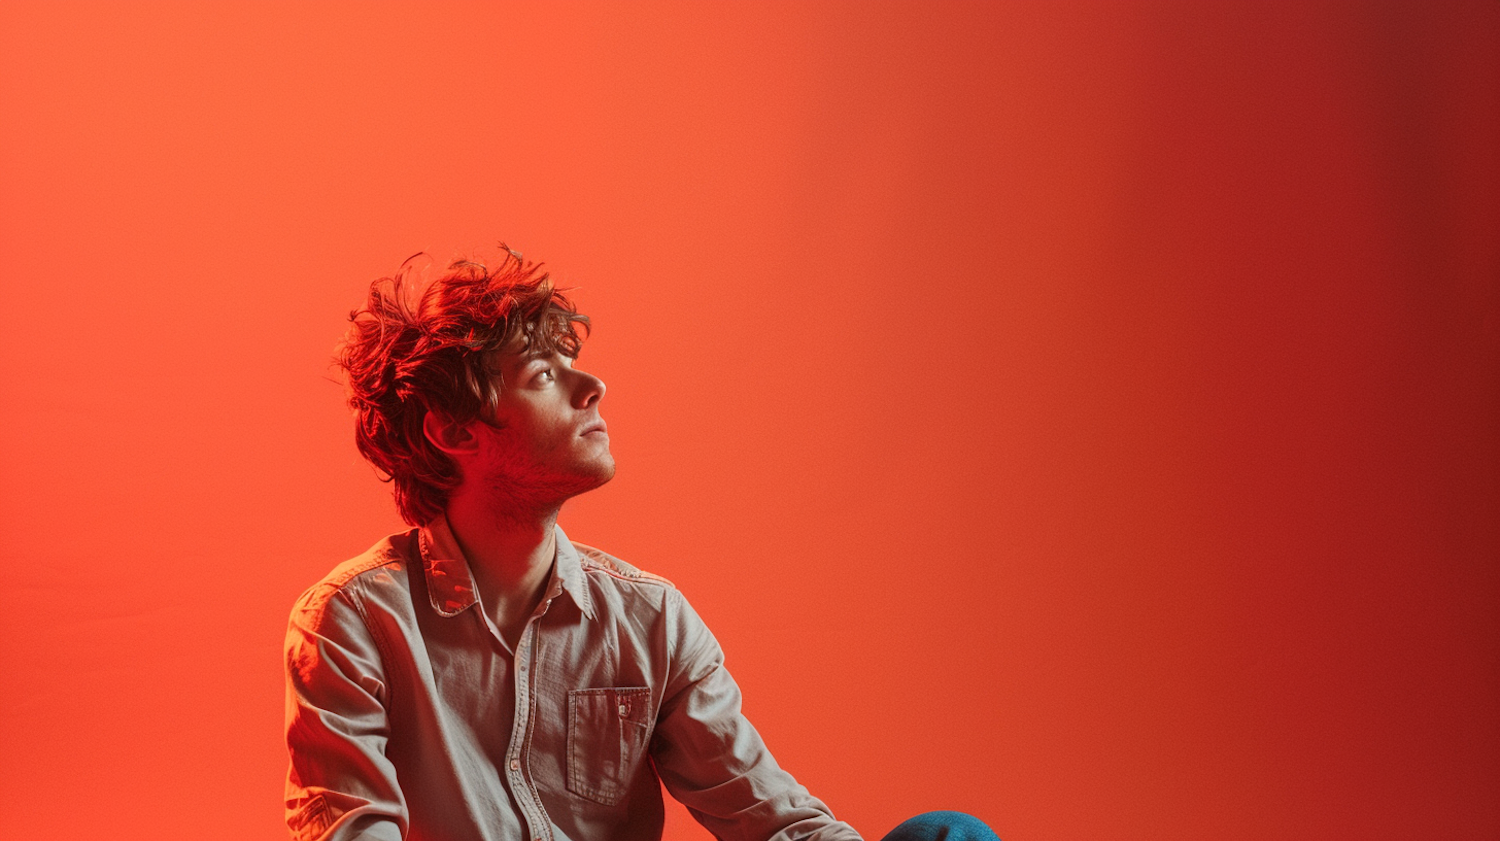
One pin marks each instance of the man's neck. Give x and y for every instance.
(510, 553)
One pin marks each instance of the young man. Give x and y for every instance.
(480, 677)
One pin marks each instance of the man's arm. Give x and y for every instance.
(340, 786)
(711, 758)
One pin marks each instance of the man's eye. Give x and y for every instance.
(545, 377)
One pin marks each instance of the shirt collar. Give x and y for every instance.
(450, 581)
(567, 575)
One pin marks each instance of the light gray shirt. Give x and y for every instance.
(408, 716)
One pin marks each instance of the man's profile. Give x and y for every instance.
(481, 677)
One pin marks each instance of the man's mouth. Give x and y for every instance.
(596, 426)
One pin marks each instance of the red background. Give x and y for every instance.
(1083, 415)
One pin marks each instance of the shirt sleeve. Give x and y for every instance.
(340, 786)
(711, 758)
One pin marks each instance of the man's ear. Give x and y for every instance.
(453, 438)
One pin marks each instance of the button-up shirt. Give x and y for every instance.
(408, 715)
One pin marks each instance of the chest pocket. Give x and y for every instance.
(608, 733)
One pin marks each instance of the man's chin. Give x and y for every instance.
(600, 472)
(606, 471)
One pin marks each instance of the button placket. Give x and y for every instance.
(536, 813)
(523, 687)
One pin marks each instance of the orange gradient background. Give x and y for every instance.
(1084, 415)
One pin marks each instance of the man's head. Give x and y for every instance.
(472, 373)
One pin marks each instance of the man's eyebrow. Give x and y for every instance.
(534, 358)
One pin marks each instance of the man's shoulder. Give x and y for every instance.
(597, 562)
(382, 565)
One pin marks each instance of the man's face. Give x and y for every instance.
(546, 441)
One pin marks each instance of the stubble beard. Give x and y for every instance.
(520, 487)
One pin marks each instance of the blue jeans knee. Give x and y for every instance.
(942, 826)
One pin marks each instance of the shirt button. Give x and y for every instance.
(624, 710)
(515, 765)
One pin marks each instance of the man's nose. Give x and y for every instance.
(590, 389)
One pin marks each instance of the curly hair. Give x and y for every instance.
(420, 346)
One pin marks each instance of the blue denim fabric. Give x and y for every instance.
(942, 826)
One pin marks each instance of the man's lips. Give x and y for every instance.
(596, 426)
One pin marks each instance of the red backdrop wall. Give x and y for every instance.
(1084, 415)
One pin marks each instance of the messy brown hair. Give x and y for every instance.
(420, 346)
